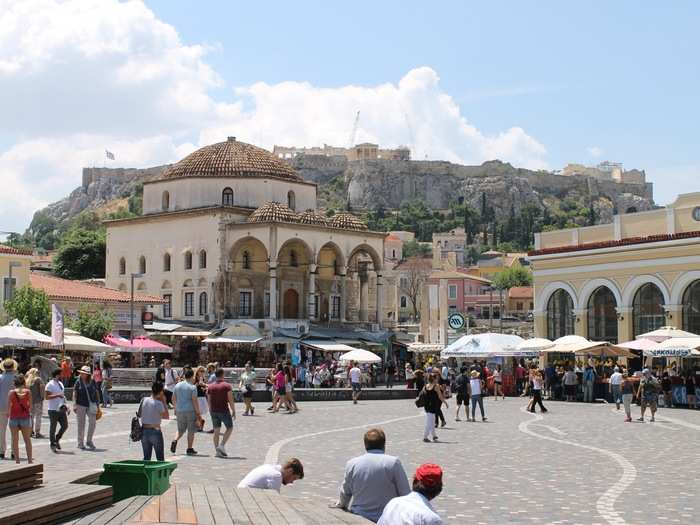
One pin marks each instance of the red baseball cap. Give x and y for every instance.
(429, 474)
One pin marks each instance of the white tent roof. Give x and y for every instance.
(482, 345)
(361, 356)
(536, 344)
(233, 339)
(328, 345)
(72, 340)
(16, 334)
(666, 332)
(676, 347)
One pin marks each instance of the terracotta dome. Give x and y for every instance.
(347, 221)
(312, 217)
(273, 212)
(231, 158)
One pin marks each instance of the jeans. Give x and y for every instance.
(152, 439)
(3, 431)
(476, 398)
(536, 400)
(81, 413)
(616, 394)
(37, 410)
(57, 417)
(588, 392)
(106, 398)
(627, 401)
(389, 380)
(429, 425)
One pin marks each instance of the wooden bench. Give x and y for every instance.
(17, 478)
(53, 503)
(218, 505)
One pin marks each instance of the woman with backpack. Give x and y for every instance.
(431, 399)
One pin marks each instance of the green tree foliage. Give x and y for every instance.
(512, 277)
(414, 248)
(92, 324)
(31, 307)
(43, 231)
(81, 255)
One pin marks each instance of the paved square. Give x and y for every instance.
(576, 464)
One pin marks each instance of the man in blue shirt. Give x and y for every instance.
(373, 479)
(588, 380)
(186, 412)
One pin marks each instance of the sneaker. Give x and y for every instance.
(354, 401)
(252, 411)
(90, 445)
(426, 440)
(53, 448)
(58, 445)
(191, 452)
(173, 446)
(641, 419)
(652, 419)
(435, 438)
(628, 420)
(457, 419)
(221, 453)
(444, 424)
(484, 418)
(81, 447)
(39, 436)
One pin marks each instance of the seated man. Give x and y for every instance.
(273, 476)
(415, 509)
(371, 480)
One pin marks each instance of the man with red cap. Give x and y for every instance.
(415, 509)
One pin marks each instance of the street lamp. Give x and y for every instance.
(11, 283)
(131, 307)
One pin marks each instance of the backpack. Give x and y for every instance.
(420, 400)
(136, 428)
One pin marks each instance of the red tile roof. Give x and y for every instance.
(9, 250)
(64, 289)
(520, 292)
(613, 244)
(392, 237)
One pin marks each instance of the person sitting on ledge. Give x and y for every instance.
(273, 476)
(415, 508)
(373, 479)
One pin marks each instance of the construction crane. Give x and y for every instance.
(351, 142)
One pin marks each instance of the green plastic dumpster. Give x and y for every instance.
(137, 478)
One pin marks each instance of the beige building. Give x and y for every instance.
(453, 241)
(606, 170)
(232, 232)
(364, 151)
(616, 281)
(14, 269)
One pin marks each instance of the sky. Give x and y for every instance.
(538, 84)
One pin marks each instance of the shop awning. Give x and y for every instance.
(182, 334)
(424, 348)
(232, 339)
(74, 342)
(327, 345)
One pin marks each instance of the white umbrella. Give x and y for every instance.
(361, 356)
(571, 344)
(536, 344)
(75, 342)
(482, 345)
(676, 347)
(16, 334)
(666, 332)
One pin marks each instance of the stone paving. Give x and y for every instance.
(576, 464)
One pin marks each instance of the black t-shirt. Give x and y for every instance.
(462, 384)
(391, 369)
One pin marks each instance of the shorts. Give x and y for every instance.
(217, 418)
(22, 422)
(462, 399)
(186, 421)
(650, 403)
(281, 391)
(496, 382)
(247, 392)
(356, 387)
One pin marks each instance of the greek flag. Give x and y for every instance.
(109, 154)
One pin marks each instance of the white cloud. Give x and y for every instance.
(79, 76)
(595, 151)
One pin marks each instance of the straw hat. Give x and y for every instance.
(475, 373)
(8, 365)
(85, 370)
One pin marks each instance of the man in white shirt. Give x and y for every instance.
(356, 381)
(615, 386)
(58, 411)
(273, 476)
(373, 479)
(415, 508)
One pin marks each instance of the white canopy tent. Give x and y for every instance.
(16, 334)
(328, 345)
(482, 345)
(676, 347)
(73, 341)
(535, 344)
(666, 332)
(360, 356)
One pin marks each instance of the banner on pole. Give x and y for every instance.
(56, 325)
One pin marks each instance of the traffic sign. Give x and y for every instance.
(456, 321)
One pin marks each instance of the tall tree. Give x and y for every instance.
(31, 307)
(81, 255)
(412, 276)
(92, 324)
(512, 277)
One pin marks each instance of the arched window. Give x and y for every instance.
(142, 264)
(188, 260)
(291, 200)
(647, 309)
(227, 197)
(203, 304)
(293, 260)
(691, 308)
(203, 259)
(602, 316)
(246, 260)
(560, 315)
(166, 262)
(122, 266)
(165, 202)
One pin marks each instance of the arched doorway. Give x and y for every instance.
(560, 315)
(602, 315)
(291, 304)
(691, 308)
(647, 309)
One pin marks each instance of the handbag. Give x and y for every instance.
(420, 400)
(98, 414)
(136, 428)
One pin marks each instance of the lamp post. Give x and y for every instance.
(131, 307)
(500, 310)
(11, 283)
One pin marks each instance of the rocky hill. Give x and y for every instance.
(386, 184)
